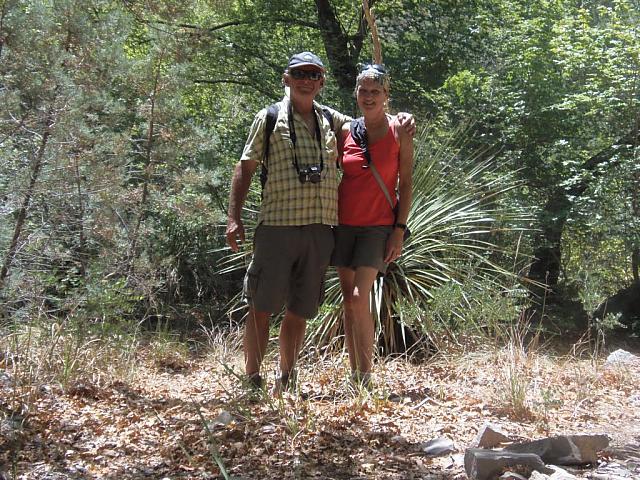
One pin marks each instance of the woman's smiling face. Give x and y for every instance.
(370, 95)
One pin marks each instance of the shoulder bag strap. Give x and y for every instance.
(383, 187)
(359, 134)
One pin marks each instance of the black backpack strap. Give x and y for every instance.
(272, 116)
(359, 134)
(328, 115)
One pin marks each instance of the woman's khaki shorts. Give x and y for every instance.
(360, 246)
(288, 268)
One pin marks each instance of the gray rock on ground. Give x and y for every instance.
(489, 436)
(223, 419)
(621, 356)
(513, 476)
(564, 449)
(558, 474)
(481, 464)
(438, 446)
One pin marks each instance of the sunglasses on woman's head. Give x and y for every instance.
(374, 66)
(302, 74)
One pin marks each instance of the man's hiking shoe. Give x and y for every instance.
(253, 387)
(362, 380)
(287, 382)
(254, 381)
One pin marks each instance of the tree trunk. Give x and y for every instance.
(142, 205)
(2, 15)
(635, 206)
(82, 242)
(36, 167)
(547, 264)
(635, 249)
(342, 50)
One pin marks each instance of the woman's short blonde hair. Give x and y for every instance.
(375, 72)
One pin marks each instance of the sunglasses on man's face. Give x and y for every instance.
(302, 74)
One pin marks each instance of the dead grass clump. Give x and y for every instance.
(46, 354)
(165, 421)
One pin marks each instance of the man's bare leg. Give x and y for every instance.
(256, 337)
(292, 333)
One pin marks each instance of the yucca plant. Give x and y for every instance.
(234, 262)
(457, 207)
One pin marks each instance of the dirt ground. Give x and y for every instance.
(191, 419)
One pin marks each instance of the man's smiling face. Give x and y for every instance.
(304, 81)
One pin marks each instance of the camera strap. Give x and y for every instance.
(292, 134)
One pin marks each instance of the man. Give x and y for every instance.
(294, 240)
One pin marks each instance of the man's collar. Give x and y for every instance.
(286, 100)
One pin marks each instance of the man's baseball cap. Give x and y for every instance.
(304, 59)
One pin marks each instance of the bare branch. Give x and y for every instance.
(630, 140)
(236, 23)
(246, 83)
(2, 15)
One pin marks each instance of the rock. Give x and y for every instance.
(5, 379)
(538, 476)
(481, 464)
(608, 476)
(621, 356)
(438, 446)
(617, 471)
(224, 418)
(564, 450)
(457, 460)
(560, 474)
(513, 476)
(12, 428)
(489, 436)
(398, 439)
(268, 429)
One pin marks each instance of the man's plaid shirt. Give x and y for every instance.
(285, 200)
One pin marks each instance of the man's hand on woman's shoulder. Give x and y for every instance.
(408, 122)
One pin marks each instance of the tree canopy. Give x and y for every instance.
(120, 122)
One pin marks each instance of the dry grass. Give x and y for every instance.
(116, 407)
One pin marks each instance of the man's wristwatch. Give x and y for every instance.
(400, 225)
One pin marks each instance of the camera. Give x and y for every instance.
(310, 174)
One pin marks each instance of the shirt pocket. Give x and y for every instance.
(282, 135)
(330, 145)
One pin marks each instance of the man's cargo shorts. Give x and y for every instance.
(288, 268)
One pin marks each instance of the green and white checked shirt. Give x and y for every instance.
(286, 201)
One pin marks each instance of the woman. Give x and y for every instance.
(370, 234)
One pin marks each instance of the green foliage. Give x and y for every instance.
(474, 308)
(456, 206)
(425, 43)
(556, 85)
(140, 111)
(184, 240)
(108, 299)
